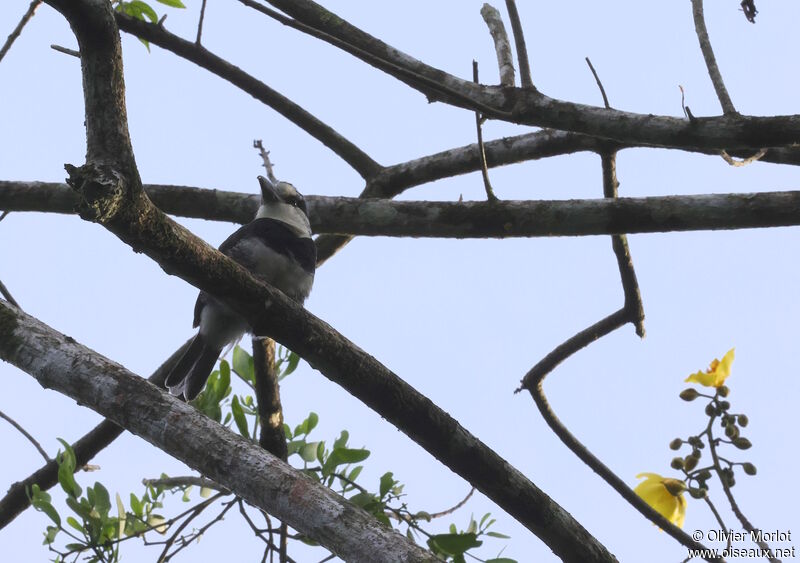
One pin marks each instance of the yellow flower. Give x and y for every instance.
(716, 374)
(664, 495)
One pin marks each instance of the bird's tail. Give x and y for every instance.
(190, 374)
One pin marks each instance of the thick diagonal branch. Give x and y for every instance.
(88, 446)
(58, 362)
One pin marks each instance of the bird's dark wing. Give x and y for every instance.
(273, 234)
(277, 236)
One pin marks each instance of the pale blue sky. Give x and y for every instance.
(462, 321)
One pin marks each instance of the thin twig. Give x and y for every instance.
(355, 157)
(519, 43)
(165, 556)
(745, 161)
(502, 47)
(600, 84)
(533, 383)
(746, 524)
(7, 295)
(619, 243)
(454, 508)
(264, 154)
(66, 51)
(481, 148)
(25, 433)
(711, 61)
(200, 22)
(185, 481)
(17, 30)
(720, 521)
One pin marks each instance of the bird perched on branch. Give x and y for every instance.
(276, 247)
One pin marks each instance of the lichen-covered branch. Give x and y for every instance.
(58, 362)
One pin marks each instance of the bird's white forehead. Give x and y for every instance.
(286, 190)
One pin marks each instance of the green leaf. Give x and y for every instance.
(136, 506)
(224, 381)
(172, 3)
(341, 441)
(294, 447)
(287, 431)
(102, 500)
(50, 535)
(239, 418)
(294, 360)
(364, 500)
(422, 515)
(498, 535)
(75, 524)
(48, 509)
(140, 10)
(356, 471)
(78, 508)
(76, 546)
(343, 456)
(313, 420)
(501, 560)
(243, 365)
(473, 526)
(453, 544)
(66, 478)
(387, 482)
(307, 425)
(309, 452)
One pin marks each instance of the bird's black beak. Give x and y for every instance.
(268, 191)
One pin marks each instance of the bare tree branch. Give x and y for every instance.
(157, 35)
(16, 499)
(524, 106)
(600, 84)
(18, 29)
(243, 467)
(200, 22)
(469, 219)
(7, 294)
(711, 60)
(185, 481)
(502, 47)
(487, 185)
(268, 398)
(519, 42)
(533, 383)
(27, 435)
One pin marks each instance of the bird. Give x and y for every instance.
(276, 247)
